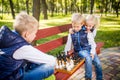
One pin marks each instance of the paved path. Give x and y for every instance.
(110, 60)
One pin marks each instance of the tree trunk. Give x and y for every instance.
(91, 7)
(101, 7)
(44, 8)
(62, 11)
(12, 9)
(65, 7)
(106, 7)
(27, 6)
(1, 17)
(117, 8)
(36, 9)
(36, 13)
(52, 8)
(71, 6)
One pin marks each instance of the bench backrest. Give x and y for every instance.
(48, 46)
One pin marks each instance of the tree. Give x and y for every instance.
(116, 7)
(91, 7)
(36, 9)
(36, 13)
(12, 9)
(51, 7)
(44, 8)
(65, 7)
(106, 6)
(1, 17)
(101, 6)
(27, 6)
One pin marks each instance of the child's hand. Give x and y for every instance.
(92, 55)
(88, 29)
(71, 31)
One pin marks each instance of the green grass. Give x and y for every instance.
(55, 21)
(8, 23)
(108, 32)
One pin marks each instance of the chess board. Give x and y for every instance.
(68, 64)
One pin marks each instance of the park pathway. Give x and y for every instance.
(110, 60)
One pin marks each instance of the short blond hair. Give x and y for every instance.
(93, 18)
(77, 18)
(24, 22)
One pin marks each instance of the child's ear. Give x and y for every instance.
(24, 34)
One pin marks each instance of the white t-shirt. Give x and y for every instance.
(91, 42)
(32, 54)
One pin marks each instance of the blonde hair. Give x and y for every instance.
(95, 19)
(77, 18)
(24, 22)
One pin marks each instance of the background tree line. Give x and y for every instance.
(59, 7)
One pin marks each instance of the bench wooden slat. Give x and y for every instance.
(42, 33)
(62, 76)
(99, 46)
(46, 47)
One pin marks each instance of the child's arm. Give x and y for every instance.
(68, 45)
(32, 54)
(94, 32)
(71, 31)
(92, 43)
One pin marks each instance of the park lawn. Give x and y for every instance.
(108, 32)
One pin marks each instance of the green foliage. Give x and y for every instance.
(52, 77)
(6, 23)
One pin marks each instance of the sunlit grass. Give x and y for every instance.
(109, 32)
(55, 21)
(8, 23)
(6, 16)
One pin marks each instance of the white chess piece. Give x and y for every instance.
(71, 63)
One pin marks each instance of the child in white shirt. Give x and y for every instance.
(15, 50)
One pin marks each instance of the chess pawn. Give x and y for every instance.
(71, 63)
(68, 68)
(68, 59)
(62, 63)
(64, 60)
(57, 65)
(60, 66)
(58, 61)
(75, 59)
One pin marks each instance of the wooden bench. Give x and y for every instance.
(50, 45)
